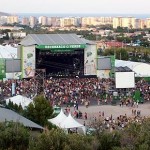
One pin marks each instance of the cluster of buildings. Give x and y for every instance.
(130, 22)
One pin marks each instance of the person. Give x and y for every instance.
(111, 117)
(137, 104)
(80, 114)
(86, 104)
(98, 102)
(76, 105)
(99, 113)
(85, 116)
(84, 123)
(103, 114)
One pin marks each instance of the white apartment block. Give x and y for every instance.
(43, 20)
(147, 22)
(25, 21)
(32, 21)
(104, 20)
(66, 22)
(117, 22)
(88, 21)
(12, 19)
(95, 21)
(129, 22)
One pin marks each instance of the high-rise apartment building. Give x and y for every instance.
(104, 20)
(66, 22)
(88, 21)
(129, 22)
(25, 21)
(117, 22)
(147, 23)
(43, 20)
(55, 21)
(140, 23)
(12, 19)
(32, 21)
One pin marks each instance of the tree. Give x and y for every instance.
(57, 139)
(122, 54)
(13, 136)
(109, 140)
(15, 107)
(81, 142)
(54, 139)
(39, 111)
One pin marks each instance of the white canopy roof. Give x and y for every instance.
(8, 51)
(140, 69)
(58, 119)
(70, 122)
(19, 100)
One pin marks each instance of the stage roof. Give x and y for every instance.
(123, 69)
(54, 39)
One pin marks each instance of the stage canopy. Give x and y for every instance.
(58, 119)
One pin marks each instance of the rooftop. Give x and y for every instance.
(53, 39)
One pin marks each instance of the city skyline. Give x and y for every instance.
(76, 7)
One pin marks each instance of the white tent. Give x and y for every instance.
(69, 123)
(140, 69)
(8, 51)
(58, 119)
(19, 100)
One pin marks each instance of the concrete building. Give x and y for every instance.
(43, 20)
(148, 22)
(117, 22)
(17, 34)
(55, 21)
(10, 28)
(129, 22)
(141, 23)
(25, 21)
(88, 21)
(49, 21)
(104, 20)
(3, 19)
(66, 22)
(12, 19)
(32, 21)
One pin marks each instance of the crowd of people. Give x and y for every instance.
(75, 91)
(110, 123)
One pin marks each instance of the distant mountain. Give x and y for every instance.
(4, 14)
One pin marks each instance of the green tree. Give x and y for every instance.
(15, 107)
(130, 136)
(39, 111)
(122, 54)
(80, 142)
(57, 139)
(13, 136)
(54, 139)
(109, 140)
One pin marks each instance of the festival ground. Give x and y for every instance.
(115, 111)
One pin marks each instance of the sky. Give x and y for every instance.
(76, 6)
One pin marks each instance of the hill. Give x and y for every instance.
(4, 14)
